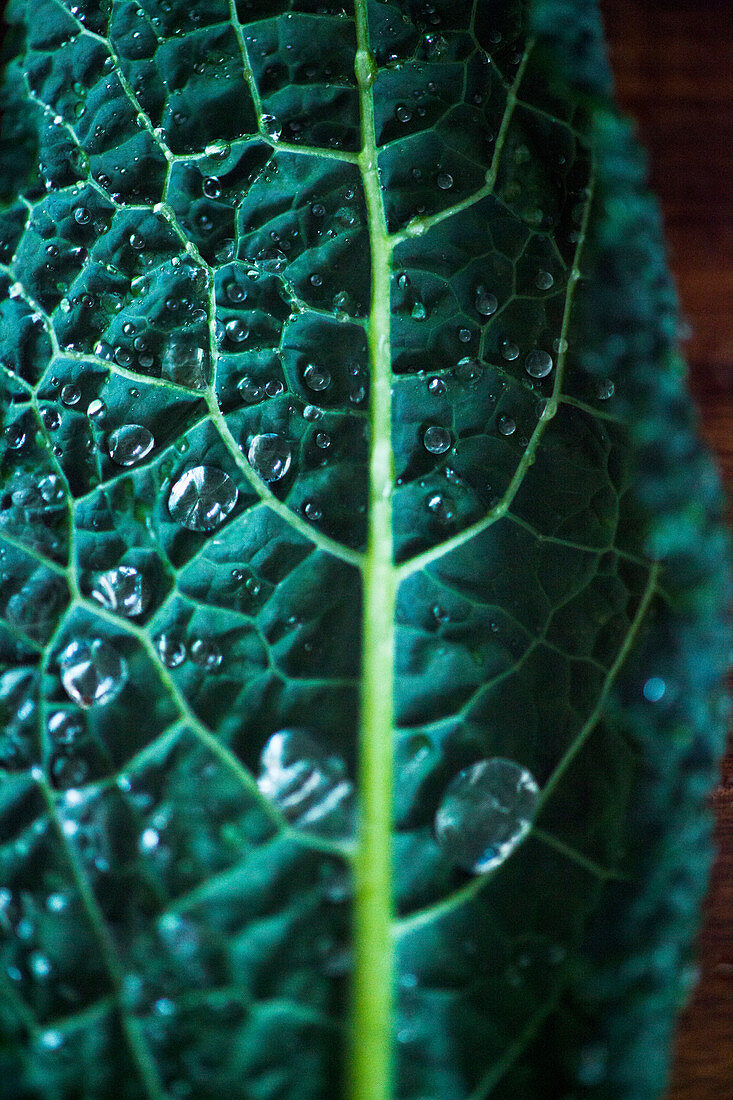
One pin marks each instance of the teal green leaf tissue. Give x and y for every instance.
(363, 576)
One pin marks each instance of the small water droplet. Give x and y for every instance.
(129, 444)
(309, 787)
(121, 590)
(137, 241)
(506, 425)
(402, 113)
(311, 511)
(486, 303)
(654, 689)
(70, 395)
(272, 127)
(436, 439)
(544, 280)
(82, 216)
(96, 409)
(509, 350)
(485, 812)
(211, 187)
(171, 650)
(15, 436)
(149, 840)
(92, 671)
(51, 419)
(604, 389)
(444, 181)
(317, 378)
(205, 653)
(442, 506)
(64, 727)
(538, 363)
(237, 330)
(418, 312)
(249, 390)
(269, 455)
(202, 498)
(323, 440)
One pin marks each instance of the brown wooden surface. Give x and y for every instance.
(673, 63)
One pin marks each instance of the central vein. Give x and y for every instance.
(371, 1046)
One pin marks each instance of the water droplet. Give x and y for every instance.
(323, 440)
(249, 390)
(486, 303)
(122, 590)
(211, 187)
(317, 378)
(237, 330)
(82, 215)
(506, 425)
(403, 280)
(51, 1039)
(538, 363)
(15, 436)
(485, 812)
(437, 440)
(51, 419)
(311, 511)
(315, 279)
(129, 444)
(171, 650)
(464, 335)
(149, 840)
(509, 350)
(604, 389)
(235, 292)
(444, 181)
(137, 241)
(70, 395)
(92, 671)
(418, 312)
(402, 113)
(269, 456)
(219, 150)
(272, 127)
(544, 280)
(96, 409)
(442, 506)
(309, 786)
(202, 498)
(64, 727)
(39, 965)
(654, 689)
(436, 386)
(185, 362)
(205, 653)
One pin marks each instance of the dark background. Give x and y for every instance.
(673, 63)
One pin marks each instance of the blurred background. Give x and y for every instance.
(673, 62)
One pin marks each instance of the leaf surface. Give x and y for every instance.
(346, 446)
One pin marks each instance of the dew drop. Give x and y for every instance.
(486, 303)
(70, 395)
(309, 786)
(269, 455)
(64, 727)
(323, 440)
(436, 386)
(538, 363)
(654, 689)
(206, 654)
(96, 409)
(272, 127)
(402, 113)
(15, 436)
(92, 671)
(442, 506)
(317, 378)
(485, 812)
(249, 390)
(509, 350)
(604, 389)
(312, 512)
(82, 215)
(436, 439)
(506, 425)
(211, 187)
(137, 241)
(121, 590)
(237, 330)
(544, 280)
(51, 419)
(418, 312)
(129, 444)
(444, 181)
(171, 650)
(202, 498)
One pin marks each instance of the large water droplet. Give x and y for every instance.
(202, 498)
(269, 455)
(485, 812)
(309, 787)
(436, 439)
(538, 363)
(92, 671)
(129, 444)
(185, 362)
(121, 590)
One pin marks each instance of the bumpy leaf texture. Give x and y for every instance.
(345, 446)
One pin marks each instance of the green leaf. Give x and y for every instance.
(363, 575)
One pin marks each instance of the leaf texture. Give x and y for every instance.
(341, 398)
